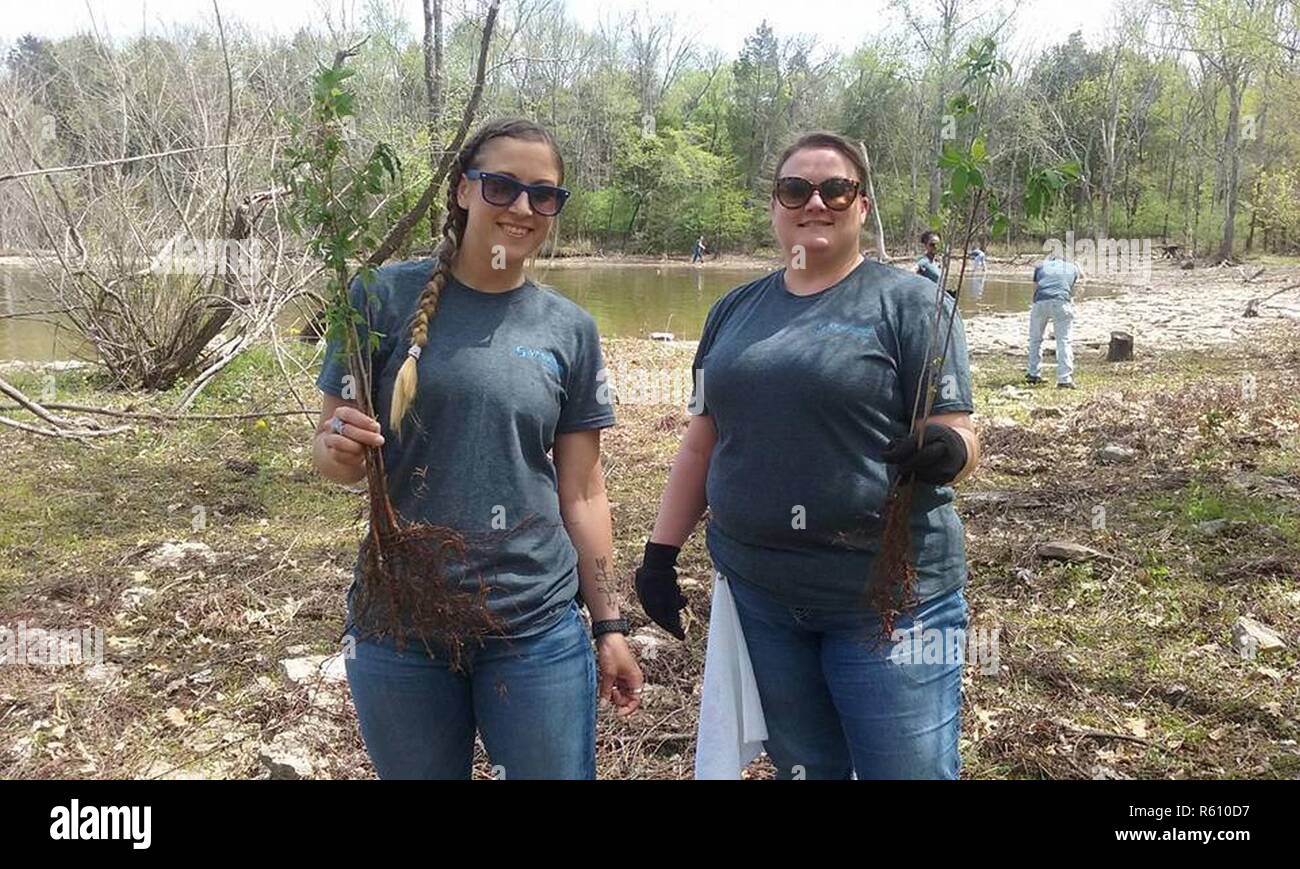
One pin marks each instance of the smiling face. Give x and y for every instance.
(516, 227)
(823, 233)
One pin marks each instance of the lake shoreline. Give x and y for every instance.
(1167, 309)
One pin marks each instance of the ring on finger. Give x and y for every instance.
(336, 425)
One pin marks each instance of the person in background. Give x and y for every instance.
(977, 274)
(697, 255)
(928, 266)
(1054, 280)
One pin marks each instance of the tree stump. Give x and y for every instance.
(1121, 347)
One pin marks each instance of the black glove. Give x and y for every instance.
(939, 460)
(657, 589)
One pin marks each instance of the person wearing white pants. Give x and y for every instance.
(1054, 280)
(1061, 313)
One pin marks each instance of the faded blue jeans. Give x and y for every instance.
(1061, 313)
(532, 699)
(837, 704)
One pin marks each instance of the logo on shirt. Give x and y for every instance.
(545, 357)
(864, 333)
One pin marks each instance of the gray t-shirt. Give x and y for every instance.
(805, 392)
(501, 375)
(1054, 280)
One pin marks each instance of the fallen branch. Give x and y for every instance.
(22, 426)
(1252, 307)
(33, 408)
(159, 417)
(72, 434)
(60, 427)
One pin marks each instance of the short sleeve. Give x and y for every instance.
(698, 405)
(370, 301)
(588, 395)
(927, 269)
(953, 394)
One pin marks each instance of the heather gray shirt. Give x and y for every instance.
(805, 392)
(501, 375)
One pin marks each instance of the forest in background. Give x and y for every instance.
(1180, 125)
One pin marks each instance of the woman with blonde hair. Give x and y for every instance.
(488, 386)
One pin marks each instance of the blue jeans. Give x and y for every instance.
(532, 699)
(838, 704)
(1061, 313)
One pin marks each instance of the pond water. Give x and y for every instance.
(627, 301)
(637, 300)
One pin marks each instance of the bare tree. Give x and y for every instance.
(155, 246)
(658, 52)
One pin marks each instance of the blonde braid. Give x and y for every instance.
(404, 387)
(453, 232)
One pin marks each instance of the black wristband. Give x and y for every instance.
(610, 626)
(660, 556)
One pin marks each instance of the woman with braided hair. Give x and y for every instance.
(490, 391)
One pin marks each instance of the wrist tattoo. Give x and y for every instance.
(604, 584)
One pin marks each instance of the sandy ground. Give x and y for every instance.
(1177, 310)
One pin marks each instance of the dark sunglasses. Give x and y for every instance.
(837, 193)
(499, 190)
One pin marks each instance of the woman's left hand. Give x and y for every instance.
(940, 459)
(621, 681)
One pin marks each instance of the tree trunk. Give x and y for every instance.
(1233, 168)
(1254, 215)
(875, 209)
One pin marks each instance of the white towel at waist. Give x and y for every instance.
(732, 728)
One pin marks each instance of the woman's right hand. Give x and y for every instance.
(358, 431)
(657, 589)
